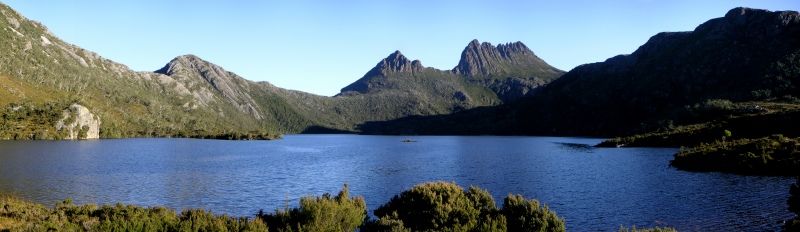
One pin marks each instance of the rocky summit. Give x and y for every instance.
(395, 63)
(484, 59)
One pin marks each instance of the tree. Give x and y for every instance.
(725, 134)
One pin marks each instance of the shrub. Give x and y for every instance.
(526, 215)
(18, 215)
(442, 206)
(340, 213)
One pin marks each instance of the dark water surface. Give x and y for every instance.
(594, 189)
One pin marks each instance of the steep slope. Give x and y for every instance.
(674, 78)
(233, 88)
(747, 55)
(43, 76)
(395, 64)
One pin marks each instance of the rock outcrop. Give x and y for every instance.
(79, 123)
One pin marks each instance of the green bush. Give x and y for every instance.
(442, 206)
(16, 215)
(340, 213)
(526, 215)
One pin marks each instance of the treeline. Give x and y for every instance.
(435, 206)
(28, 120)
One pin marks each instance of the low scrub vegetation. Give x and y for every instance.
(16, 215)
(435, 206)
(340, 213)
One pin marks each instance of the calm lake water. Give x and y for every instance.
(594, 189)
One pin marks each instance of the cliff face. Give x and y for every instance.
(484, 59)
(79, 123)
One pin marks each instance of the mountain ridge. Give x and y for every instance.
(190, 96)
(675, 78)
(506, 68)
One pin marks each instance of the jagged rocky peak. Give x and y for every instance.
(397, 62)
(485, 59)
(190, 68)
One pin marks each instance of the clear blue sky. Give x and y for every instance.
(322, 46)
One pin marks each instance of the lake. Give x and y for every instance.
(592, 188)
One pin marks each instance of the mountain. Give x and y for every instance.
(674, 78)
(53, 89)
(45, 78)
(509, 70)
(748, 54)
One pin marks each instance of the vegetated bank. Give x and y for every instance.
(750, 138)
(434, 206)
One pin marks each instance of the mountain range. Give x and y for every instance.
(675, 78)
(749, 54)
(46, 81)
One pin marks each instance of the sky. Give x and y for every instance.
(322, 46)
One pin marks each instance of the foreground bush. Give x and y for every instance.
(16, 215)
(441, 206)
(339, 213)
